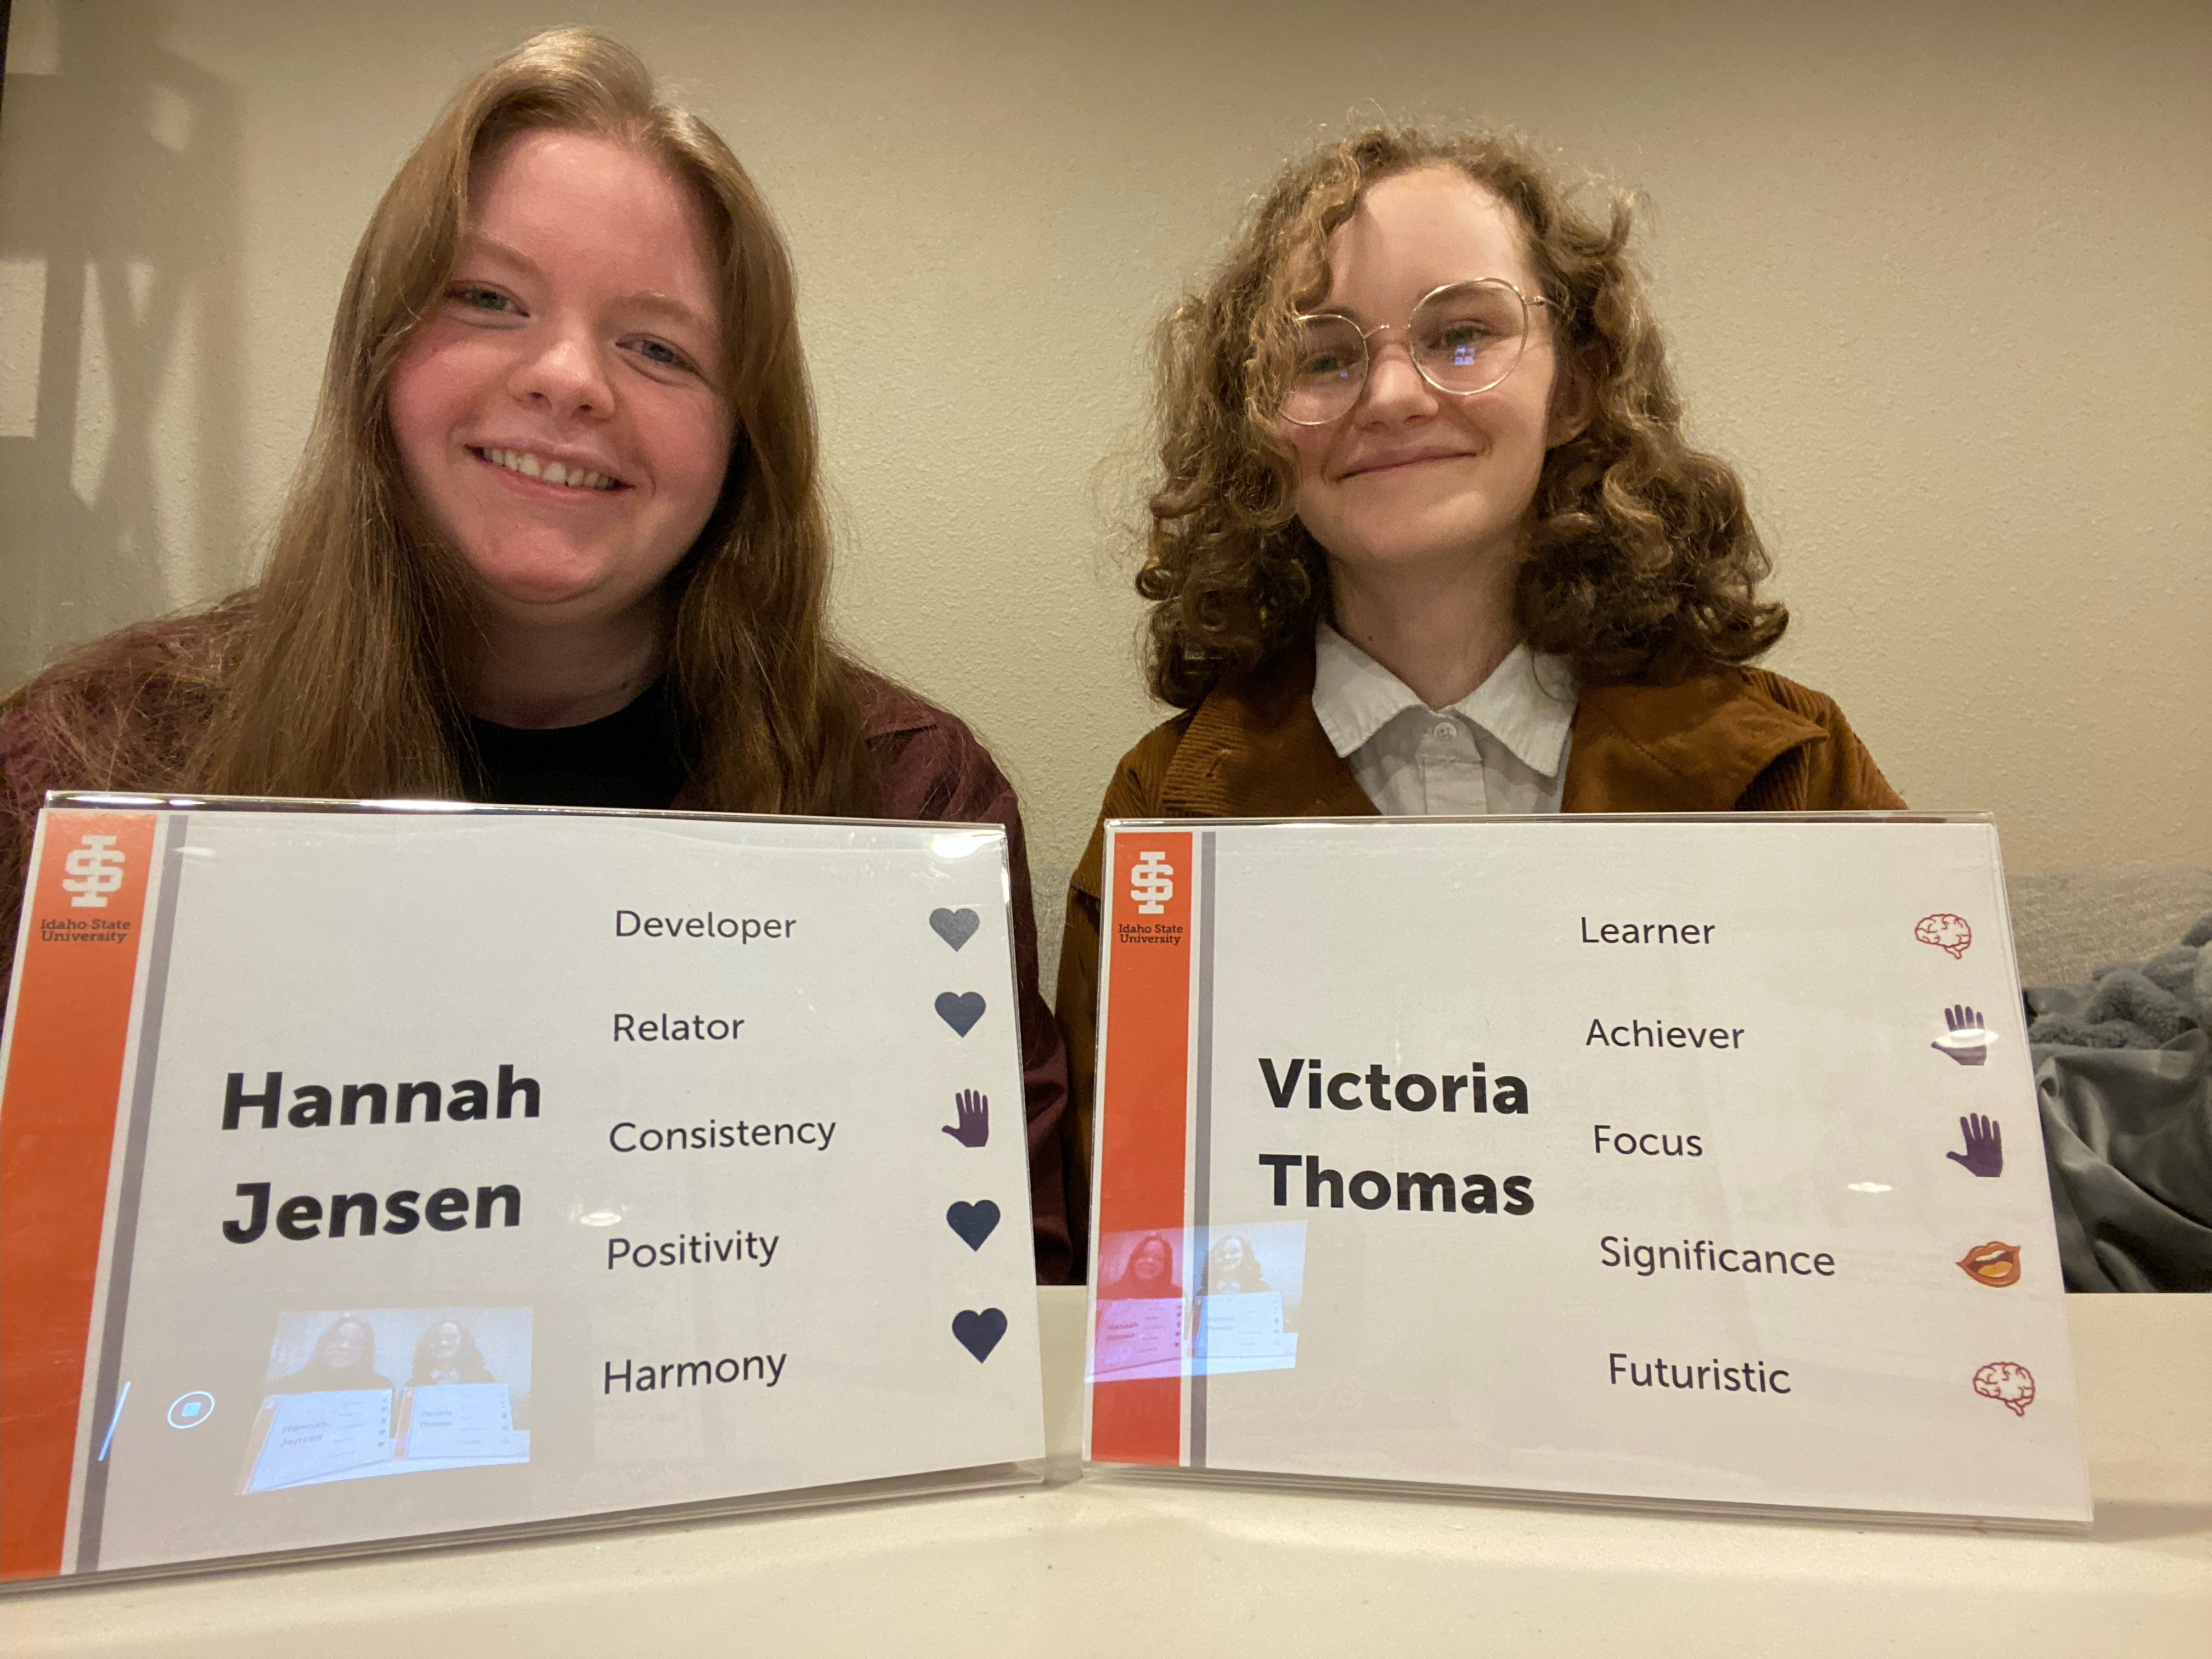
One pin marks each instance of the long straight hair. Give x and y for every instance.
(345, 671)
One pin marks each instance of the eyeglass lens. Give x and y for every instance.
(1464, 339)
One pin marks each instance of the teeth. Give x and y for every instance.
(552, 472)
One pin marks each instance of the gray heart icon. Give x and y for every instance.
(955, 928)
(973, 1221)
(960, 1012)
(979, 1333)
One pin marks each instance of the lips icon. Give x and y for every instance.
(1992, 1264)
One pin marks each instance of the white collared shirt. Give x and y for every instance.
(1502, 748)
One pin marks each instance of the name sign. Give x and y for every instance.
(379, 1174)
(1677, 1160)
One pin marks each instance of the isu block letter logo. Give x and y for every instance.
(92, 871)
(75, 980)
(1151, 884)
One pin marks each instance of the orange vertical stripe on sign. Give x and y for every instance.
(1143, 1123)
(86, 907)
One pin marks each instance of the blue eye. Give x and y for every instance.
(482, 299)
(653, 351)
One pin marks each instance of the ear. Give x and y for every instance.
(1574, 402)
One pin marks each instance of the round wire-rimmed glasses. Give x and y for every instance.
(1464, 337)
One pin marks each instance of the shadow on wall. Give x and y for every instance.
(121, 422)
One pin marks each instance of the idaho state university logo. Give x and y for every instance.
(77, 909)
(91, 872)
(1151, 882)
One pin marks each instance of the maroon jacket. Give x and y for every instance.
(152, 680)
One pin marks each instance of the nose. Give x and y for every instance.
(1395, 389)
(564, 374)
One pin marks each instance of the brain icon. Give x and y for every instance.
(2007, 1384)
(1945, 931)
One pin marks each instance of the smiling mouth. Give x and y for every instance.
(1994, 1264)
(529, 466)
(1374, 468)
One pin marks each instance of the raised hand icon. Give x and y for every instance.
(972, 1118)
(1985, 1154)
(1965, 1038)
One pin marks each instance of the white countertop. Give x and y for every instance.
(1104, 1565)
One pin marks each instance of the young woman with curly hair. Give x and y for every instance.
(1427, 538)
(558, 537)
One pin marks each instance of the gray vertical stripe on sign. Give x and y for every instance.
(1201, 1174)
(170, 861)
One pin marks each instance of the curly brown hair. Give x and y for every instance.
(1643, 563)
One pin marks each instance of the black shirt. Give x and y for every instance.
(632, 758)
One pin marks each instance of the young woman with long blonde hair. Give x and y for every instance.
(558, 536)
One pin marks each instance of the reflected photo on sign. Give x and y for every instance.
(354, 1395)
(1141, 1305)
(1208, 1300)
(1248, 1300)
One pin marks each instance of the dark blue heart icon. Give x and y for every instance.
(960, 1012)
(979, 1333)
(973, 1221)
(955, 928)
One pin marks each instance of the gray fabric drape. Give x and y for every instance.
(2123, 1081)
(2128, 1134)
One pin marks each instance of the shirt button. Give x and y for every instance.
(1446, 730)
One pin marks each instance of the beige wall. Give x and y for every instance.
(1936, 280)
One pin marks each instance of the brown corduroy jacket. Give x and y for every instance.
(1734, 740)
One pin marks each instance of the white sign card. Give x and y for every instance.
(1664, 1159)
(438, 1170)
